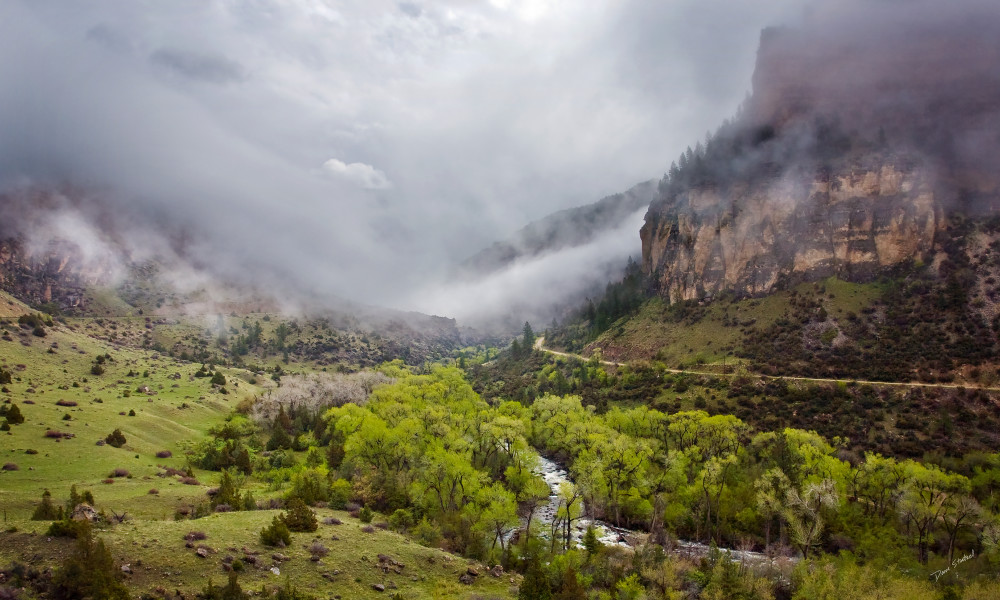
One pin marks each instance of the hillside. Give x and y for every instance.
(565, 229)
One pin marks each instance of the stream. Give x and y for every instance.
(610, 535)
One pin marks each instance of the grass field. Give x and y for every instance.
(156, 553)
(707, 339)
(55, 389)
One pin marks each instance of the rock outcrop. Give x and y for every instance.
(854, 224)
(849, 159)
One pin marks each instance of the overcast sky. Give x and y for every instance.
(365, 145)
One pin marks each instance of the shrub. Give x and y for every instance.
(108, 480)
(14, 416)
(427, 533)
(231, 591)
(164, 454)
(46, 511)
(195, 536)
(218, 379)
(75, 498)
(189, 481)
(368, 529)
(116, 438)
(31, 451)
(68, 528)
(66, 403)
(318, 549)
(366, 515)
(276, 534)
(332, 521)
(340, 493)
(299, 517)
(119, 472)
(401, 520)
(97, 370)
(5, 426)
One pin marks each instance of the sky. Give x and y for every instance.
(362, 148)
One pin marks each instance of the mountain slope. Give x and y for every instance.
(564, 229)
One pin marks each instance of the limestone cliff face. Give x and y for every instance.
(755, 239)
(849, 159)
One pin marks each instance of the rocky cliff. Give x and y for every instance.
(849, 159)
(853, 224)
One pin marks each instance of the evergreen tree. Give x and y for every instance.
(535, 585)
(276, 534)
(529, 338)
(46, 511)
(279, 440)
(229, 492)
(116, 438)
(299, 517)
(14, 416)
(231, 591)
(89, 572)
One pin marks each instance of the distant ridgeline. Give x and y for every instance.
(564, 229)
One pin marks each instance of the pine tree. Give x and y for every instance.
(299, 517)
(279, 440)
(89, 572)
(229, 492)
(535, 585)
(116, 438)
(14, 416)
(46, 511)
(529, 338)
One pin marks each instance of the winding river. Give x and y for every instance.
(554, 475)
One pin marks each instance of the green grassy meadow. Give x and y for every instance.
(713, 331)
(55, 390)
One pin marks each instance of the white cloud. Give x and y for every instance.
(359, 174)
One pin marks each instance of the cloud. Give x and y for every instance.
(199, 67)
(211, 116)
(360, 174)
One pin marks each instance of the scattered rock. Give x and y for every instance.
(471, 571)
(126, 569)
(85, 512)
(202, 552)
(497, 571)
(378, 587)
(466, 579)
(279, 557)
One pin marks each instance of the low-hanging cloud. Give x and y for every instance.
(360, 174)
(536, 288)
(451, 123)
